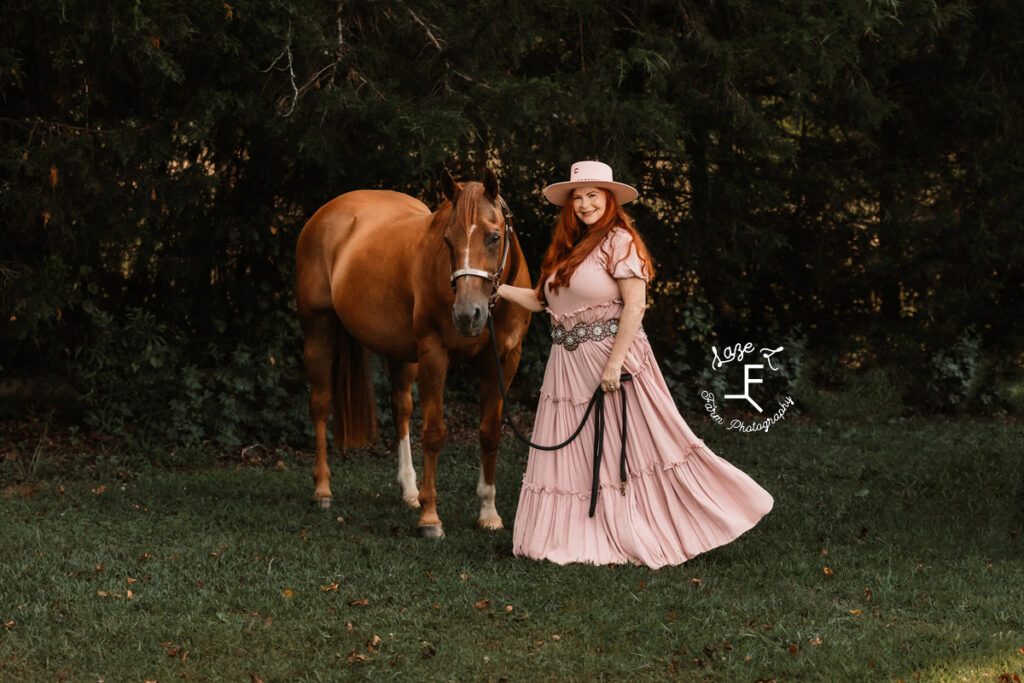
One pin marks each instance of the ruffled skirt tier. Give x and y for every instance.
(680, 499)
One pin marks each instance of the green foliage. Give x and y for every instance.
(136, 382)
(842, 172)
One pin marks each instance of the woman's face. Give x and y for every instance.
(588, 203)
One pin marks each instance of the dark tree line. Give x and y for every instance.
(842, 177)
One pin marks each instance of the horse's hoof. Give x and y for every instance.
(432, 531)
(412, 501)
(322, 503)
(493, 524)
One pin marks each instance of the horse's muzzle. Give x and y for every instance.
(470, 317)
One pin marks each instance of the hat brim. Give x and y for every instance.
(558, 193)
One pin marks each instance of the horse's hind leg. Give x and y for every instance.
(321, 334)
(402, 377)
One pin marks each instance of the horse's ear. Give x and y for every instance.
(449, 186)
(490, 184)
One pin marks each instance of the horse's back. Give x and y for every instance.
(350, 224)
(356, 256)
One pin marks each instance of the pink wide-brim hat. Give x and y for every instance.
(590, 174)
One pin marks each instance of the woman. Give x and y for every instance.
(680, 499)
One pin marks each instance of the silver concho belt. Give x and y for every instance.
(595, 331)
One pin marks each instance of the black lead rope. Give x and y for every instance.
(596, 404)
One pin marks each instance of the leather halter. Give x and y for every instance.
(491, 277)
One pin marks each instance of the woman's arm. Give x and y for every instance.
(521, 296)
(634, 300)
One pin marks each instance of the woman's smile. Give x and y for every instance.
(588, 203)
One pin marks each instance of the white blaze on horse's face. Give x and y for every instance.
(465, 263)
(474, 238)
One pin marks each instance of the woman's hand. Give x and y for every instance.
(610, 377)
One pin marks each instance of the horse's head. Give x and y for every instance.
(477, 241)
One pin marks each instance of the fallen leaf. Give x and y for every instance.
(463, 576)
(793, 649)
(816, 640)
(268, 622)
(855, 612)
(430, 576)
(99, 489)
(358, 603)
(508, 608)
(53, 177)
(288, 593)
(9, 624)
(695, 581)
(829, 573)
(253, 678)
(349, 627)
(130, 594)
(129, 581)
(20, 490)
(556, 637)
(328, 589)
(480, 604)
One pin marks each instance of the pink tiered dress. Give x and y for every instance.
(681, 499)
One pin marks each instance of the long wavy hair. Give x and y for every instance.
(573, 241)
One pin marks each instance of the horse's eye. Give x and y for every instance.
(494, 237)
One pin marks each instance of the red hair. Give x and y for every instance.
(573, 241)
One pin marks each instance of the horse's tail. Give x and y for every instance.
(355, 407)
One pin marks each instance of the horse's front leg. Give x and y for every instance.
(490, 433)
(433, 367)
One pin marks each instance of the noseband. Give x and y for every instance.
(491, 277)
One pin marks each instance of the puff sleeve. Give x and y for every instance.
(621, 258)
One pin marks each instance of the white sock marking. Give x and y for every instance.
(486, 493)
(406, 473)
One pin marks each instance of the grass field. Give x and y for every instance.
(895, 552)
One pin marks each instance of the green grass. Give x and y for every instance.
(922, 523)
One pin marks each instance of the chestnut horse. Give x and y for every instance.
(377, 271)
